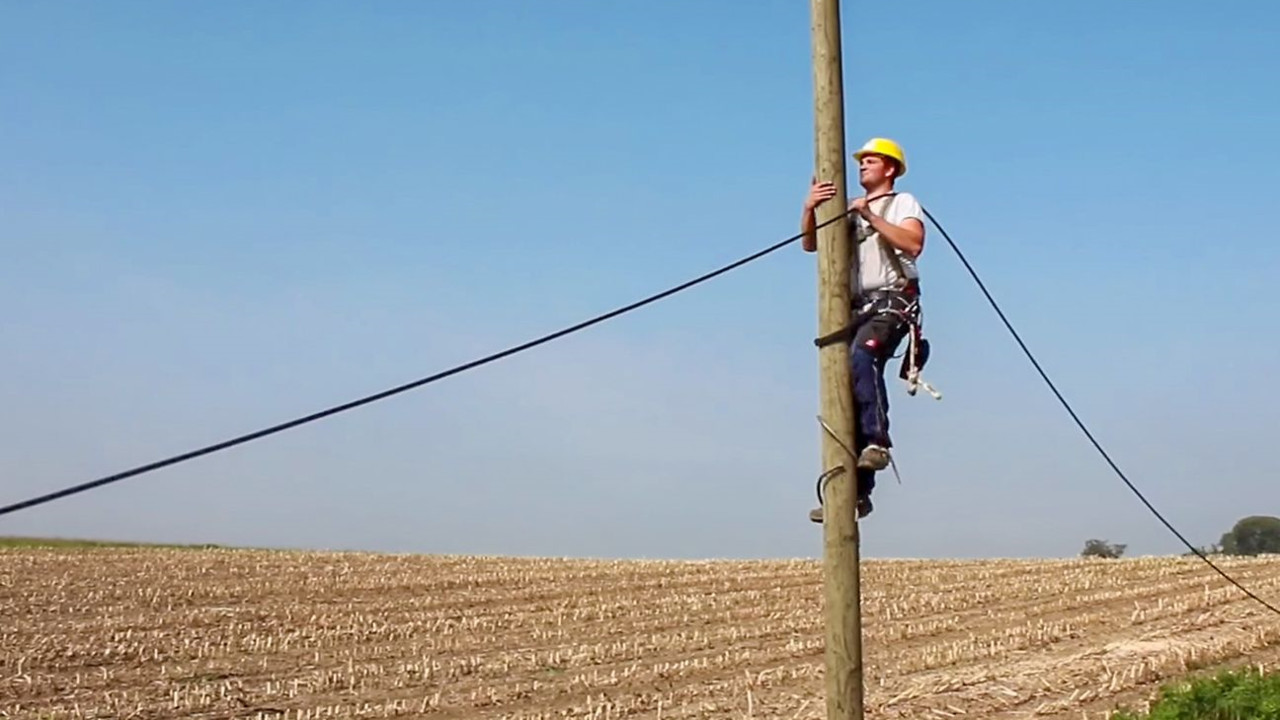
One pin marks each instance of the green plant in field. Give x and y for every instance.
(1243, 695)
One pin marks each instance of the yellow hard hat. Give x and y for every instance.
(887, 147)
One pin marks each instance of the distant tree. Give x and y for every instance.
(1102, 549)
(1253, 535)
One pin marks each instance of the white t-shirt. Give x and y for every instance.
(877, 271)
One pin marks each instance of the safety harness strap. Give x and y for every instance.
(889, 251)
(917, 353)
(845, 334)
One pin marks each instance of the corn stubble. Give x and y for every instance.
(148, 633)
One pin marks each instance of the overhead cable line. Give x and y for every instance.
(191, 455)
(1080, 423)
(609, 315)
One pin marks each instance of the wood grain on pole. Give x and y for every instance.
(844, 686)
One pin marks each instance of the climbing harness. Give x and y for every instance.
(885, 302)
(917, 353)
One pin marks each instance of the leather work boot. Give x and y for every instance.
(864, 509)
(873, 457)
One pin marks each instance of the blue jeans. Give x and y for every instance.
(871, 398)
(874, 343)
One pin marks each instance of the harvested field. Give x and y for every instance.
(156, 633)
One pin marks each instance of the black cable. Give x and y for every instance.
(402, 388)
(601, 318)
(1081, 424)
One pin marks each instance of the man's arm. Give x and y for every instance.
(818, 194)
(807, 223)
(907, 235)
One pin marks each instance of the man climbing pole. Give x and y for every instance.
(887, 231)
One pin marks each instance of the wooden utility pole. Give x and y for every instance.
(835, 263)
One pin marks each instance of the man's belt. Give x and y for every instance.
(910, 289)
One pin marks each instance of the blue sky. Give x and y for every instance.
(219, 217)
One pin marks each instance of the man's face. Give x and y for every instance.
(874, 169)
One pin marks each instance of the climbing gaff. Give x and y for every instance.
(836, 437)
(822, 482)
(824, 477)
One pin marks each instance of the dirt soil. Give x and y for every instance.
(179, 633)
